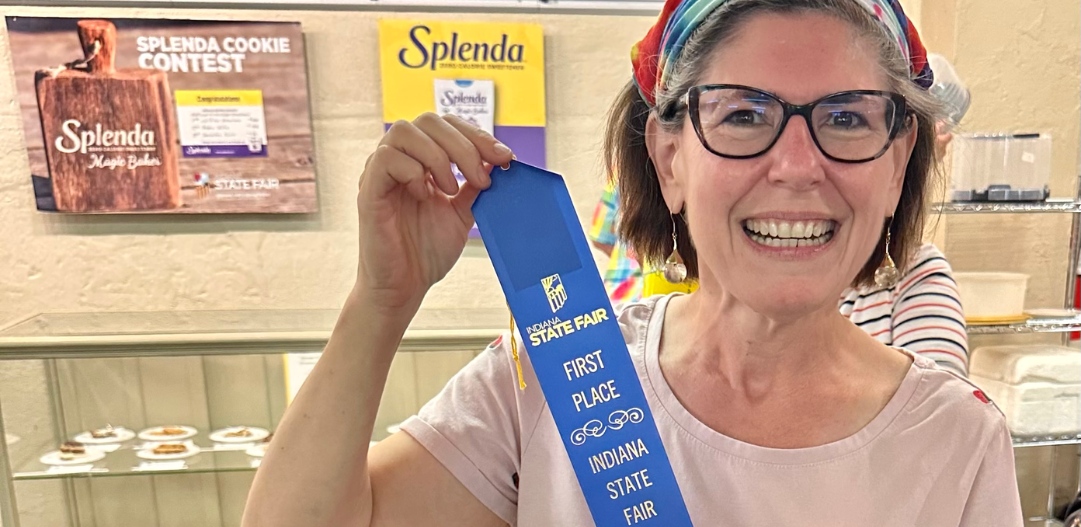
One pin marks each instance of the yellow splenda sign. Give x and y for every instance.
(413, 54)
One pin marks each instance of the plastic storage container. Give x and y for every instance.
(1038, 387)
(1001, 167)
(991, 296)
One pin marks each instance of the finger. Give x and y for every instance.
(463, 203)
(413, 141)
(390, 168)
(491, 150)
(460, 149)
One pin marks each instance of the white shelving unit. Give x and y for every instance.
(1061, 324)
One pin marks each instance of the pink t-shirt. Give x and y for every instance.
(937, 455)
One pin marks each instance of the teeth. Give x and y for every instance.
(790, 242)
(789, 230)
(761, 233)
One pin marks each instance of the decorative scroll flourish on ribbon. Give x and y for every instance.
(596, 428)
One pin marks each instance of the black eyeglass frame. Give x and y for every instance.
(690, 100)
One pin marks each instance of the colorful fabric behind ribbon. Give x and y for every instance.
(655, 55)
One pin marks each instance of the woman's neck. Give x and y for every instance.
(752, 353)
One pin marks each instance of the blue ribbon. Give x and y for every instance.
(534, 238)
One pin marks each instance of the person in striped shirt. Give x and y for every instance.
(921, 313)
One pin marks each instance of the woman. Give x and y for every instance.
(773, 408)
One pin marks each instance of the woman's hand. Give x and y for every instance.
(414, 218)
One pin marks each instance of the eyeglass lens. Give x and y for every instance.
(742, 123)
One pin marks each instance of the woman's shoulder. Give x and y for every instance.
(926, 252)
(634, 320)
(943, 396)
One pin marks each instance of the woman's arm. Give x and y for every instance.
(414, 222)
(994, 498)
(318, 470)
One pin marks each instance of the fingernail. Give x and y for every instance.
(501, 149)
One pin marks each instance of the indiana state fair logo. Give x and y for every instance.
(202, 184)
(553, 288)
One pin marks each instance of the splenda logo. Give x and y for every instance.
(430, 55)
(77, 139)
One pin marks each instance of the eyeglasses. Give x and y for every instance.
(741, 122)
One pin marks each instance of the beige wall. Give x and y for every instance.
(1022, 61)
(1020, 58)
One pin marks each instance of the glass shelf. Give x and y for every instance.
(1007, 207)
(176, 333)
(124, 462)
(212, 458)
(1032, 325)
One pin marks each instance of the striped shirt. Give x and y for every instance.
(922, 313)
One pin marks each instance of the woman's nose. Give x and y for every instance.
(797, 161)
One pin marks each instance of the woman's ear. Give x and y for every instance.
(903, 146)
(663, 149)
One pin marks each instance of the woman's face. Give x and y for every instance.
(728, 202)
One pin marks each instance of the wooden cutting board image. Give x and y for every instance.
(109, 135)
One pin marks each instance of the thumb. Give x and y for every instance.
(463, 203)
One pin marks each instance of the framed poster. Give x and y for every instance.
(165, 116)
(489, 72)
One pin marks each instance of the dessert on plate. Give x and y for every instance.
(165, 449)
(70, 450)
(168, 431)
(104, 433)
(238, 432)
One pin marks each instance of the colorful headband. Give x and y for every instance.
(654, 56)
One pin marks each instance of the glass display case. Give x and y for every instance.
(208, 385)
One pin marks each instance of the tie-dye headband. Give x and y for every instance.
(654, 56)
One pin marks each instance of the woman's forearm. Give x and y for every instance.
(315, 472)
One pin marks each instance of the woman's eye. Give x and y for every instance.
(745, 118)
(846, 120)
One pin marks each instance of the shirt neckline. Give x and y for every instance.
(777, 456)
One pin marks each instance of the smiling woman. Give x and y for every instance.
(782, 148)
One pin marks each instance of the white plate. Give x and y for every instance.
(149, 453)
(148, 434)
(257, 434)
(122, 434)
(53, 458)
(257, 450)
